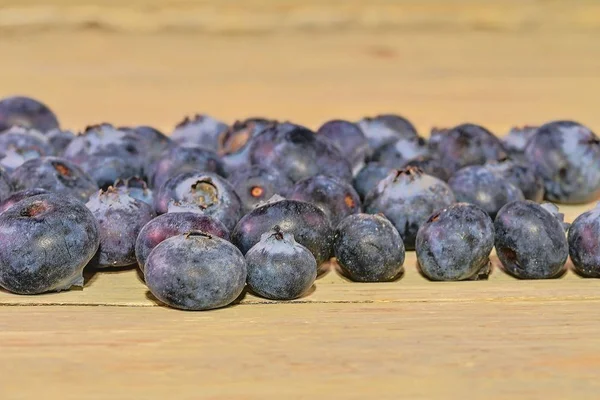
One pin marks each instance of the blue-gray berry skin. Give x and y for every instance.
(455, 244)
(27, 143)
(348, 138)
(55, 174)
(204, 193)
(584, 245)
(202, 130)
(233, 143)
(516, 141)
(480, 186)
(407, 197)
(309, 225)
(521, 175)
(431, 165)
(397, 154)
(172, 224)
(59, 140)
(120, 218)
(279, 268)
(196, 272)
(566, 155)
(368, 248)
(137, 188)
(155, 143)
(256, 184)
(368, 177)
(530, 241)
(336, 198)
(26, 112)
(18, 196)
(468, 144)
(5, 185)
(386, 128)
(45, 242)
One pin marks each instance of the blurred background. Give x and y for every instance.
(437, 62)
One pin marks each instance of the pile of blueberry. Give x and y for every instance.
(212, 209)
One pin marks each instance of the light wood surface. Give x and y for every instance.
(439, 63)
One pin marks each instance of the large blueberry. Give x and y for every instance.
(56, 175)
(309, 225)
(521, 175)
(480, 186)
(279, 268)
(386, 128)
(120, 218)
(530, 240)
(26, 112)
(348, 138)
(407, 197)
(455, 244)
(369, 248)
(195, 271)
(202, 130)
(256, 184)
(566, 155)
(18, 196)
(45, 242)
(584, 245)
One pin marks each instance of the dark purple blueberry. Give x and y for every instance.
(298, 152)
(584, 245)
(468, 144)
(455, 244)
(337, 199)
(407, 197)
(397, 154)
(369, 248)
(368, 177)
(480, 186)
(530, 240)
(183, 158)
(137, 188)
(431, 166)
(201, 130)
(155, 142)
(27, 143)
(520, 175)
(279, 268)
(516, 141)
(203, 193)
(172, 224)
(18, 196)
(348, 138)
(386, 128)
(233, 145)
(56, 175)
(257, 184)
(566, 155)
(26, 112)
(45, 242)
(120, 218)
(195, 271)
(59, 140)
(306, 222)
(5, 185)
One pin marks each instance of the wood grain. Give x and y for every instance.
(439, 63)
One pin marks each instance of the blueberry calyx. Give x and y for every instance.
(198, 234)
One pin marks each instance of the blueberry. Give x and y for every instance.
(26, 112)
(397, 154)
(120, 218)
(59, 140)
(468, 144)
(137, 188)
(530, 240)
(435, 137)
(200, 192)
(256, 184)
(5, 185)
(298, 152)
(430, 165)
(386, 128)
(368, 178)
(521, 175)
(182, 158)
(45, 242)
(195, 271)
(18, 196)
(155, 142)
(349, 140)
(584, 246)
(407, 197)
(369, 249)
(56, 175)
(455, 244)
(567, 157)
(201, 130)
(337, 199)
(279, 268)
(306, 222)
(480, 186)
(516, 141)
(233, 145)
(172, 224)
(27, 143)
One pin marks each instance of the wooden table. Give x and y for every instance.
(496, 64)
